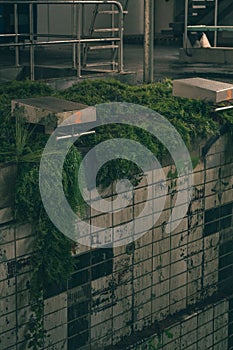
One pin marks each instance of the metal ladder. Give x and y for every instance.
(102, 56)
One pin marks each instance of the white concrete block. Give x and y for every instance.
(161, 274)
(222, 345)
(142, 254)
(100, 331)
(23, 281)
(55, 303)
(179, 254)
(178, 267)
(205, 343)
(213, 160)
(211, 200)
(59, 346)
(142, 282)
(174, 335)
(3, 271)
(24, 246)
(188, 340)
(7, 304)
(220, 334)
(55, 319)
(7, 322)
(6, 215)
(160, 308)
(56, 335)
(7, 251)
(178, 299)
(205, 89)
(6, 234)
(8, 339)
(221, 308)
(162, 246)
(22, 231)
(23, 315)
(221, 321)
(7, 287)
(23, 299)
(123, 305)
(143, 268)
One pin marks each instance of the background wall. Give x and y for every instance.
(164, 14)
(59, 18)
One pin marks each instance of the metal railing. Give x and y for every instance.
(76, 39)
(203, 28)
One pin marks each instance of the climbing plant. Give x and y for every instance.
(51, 260)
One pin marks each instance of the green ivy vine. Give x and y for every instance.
(51, 260)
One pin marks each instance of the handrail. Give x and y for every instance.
(77, 41)
(200, 28)
(215, 28)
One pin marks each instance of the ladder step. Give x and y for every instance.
(100, 70)
(100, 64)
(102, 47)
(112, 12)
(99, 30)
(94, 40)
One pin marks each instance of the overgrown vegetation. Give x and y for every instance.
(192, 118)
(52, 262)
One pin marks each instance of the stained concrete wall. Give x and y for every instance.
(154, 284)
(218, 55)
(57, 19)
(164, 14)
(203, 329)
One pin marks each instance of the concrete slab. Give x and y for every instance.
(51, 111)
(217, 55)
(204, 89)
(6, 215)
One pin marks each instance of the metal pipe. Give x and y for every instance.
(83, 20)
(11, 35)
(121, 33)
(204, 28)
(32, 57)
(78, 45)
(74, 33)
(223, 108)
(64, 2)
(48, 20)
(186, 13)
(216, 23)
(64, 137)
(113, 50)
(148, 41)
(16, 27)
(55, 42)
(83, 26)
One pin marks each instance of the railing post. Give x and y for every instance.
(74, 34)
(78, 29)
(148, 41)
(121, 33)
(78, 45)
(48, 20)
(216, 23)
(32, 57)
(186, 13)
(16, 27)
